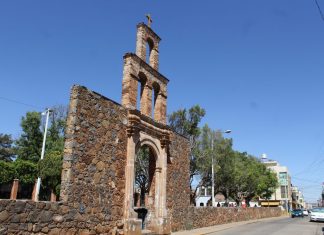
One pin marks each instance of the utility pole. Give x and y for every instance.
(47, 112)
(213, 183)
(213, 180)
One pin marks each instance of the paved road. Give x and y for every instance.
(284, 226)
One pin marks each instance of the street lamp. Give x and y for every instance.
(213, 181)
(47, 112)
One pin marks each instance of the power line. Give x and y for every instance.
(310, 166)
(306, 180)
(319, 9)
(19, 102)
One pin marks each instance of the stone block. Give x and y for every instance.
(58, 218)
(36, 228)
(72, 231)
(46, 216)
(45, 230)
(4, 215)
(54, 231)
(33, 216)
(19, 206)
(133, 227)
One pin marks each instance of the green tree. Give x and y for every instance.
(29, 149)
(51, 166)
(55, 136)
(50, 170)
(185, 122)
(268, 184)
(142, 172)
(7, 151)
(224, 168)
(252, 179)
(7, 172)
(212, 145)
(30, 142)
(25, 171)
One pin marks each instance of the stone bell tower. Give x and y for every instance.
(144, 95)
(141, 78)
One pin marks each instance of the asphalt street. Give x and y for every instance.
(284, 226)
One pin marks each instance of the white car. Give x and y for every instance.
(305, 212)
(317, 214)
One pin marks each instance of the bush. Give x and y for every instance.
(25, 171)
(7, 172)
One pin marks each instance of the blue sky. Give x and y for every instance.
(256, 66)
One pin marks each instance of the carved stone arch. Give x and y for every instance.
(145, 93)
(151, 144)
(151, 49)
(150, 43)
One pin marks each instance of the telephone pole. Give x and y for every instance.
(47, 112)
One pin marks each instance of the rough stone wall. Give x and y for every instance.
(198, 217)
(93, 173)
(93, 180)
(178, 190)
(186, 217)
(208, 216)
(135, 70)
(54, 218)
(147, 37)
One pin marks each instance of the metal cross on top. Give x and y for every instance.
(149, 20)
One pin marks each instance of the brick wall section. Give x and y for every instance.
(178, 191)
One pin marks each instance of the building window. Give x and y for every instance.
(209, 191)
(283, 191)
(283, 180)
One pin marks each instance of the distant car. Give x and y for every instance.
(305, 212)
(297, 213)
(317, 214)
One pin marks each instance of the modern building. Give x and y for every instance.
(297, 197)
(282, 194)
(203, 196)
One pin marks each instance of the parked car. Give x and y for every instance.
(297, 213)
(305, 212)
(317, 214)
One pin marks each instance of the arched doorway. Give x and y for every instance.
(144, 182)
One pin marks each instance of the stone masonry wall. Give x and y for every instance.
(198, 217)
(178, 191)
(53, 218)
(208, 216)
(184, 216)
(93, 175)
(93, 180)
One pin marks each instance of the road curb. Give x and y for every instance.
(221, 227)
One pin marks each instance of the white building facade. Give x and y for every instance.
(282, 194)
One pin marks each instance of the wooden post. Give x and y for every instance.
(34, 191)
(14, 189)
(53, 196)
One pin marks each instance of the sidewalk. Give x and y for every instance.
(216, 228)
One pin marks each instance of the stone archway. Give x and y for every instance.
(155, 198)
(145, 180)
